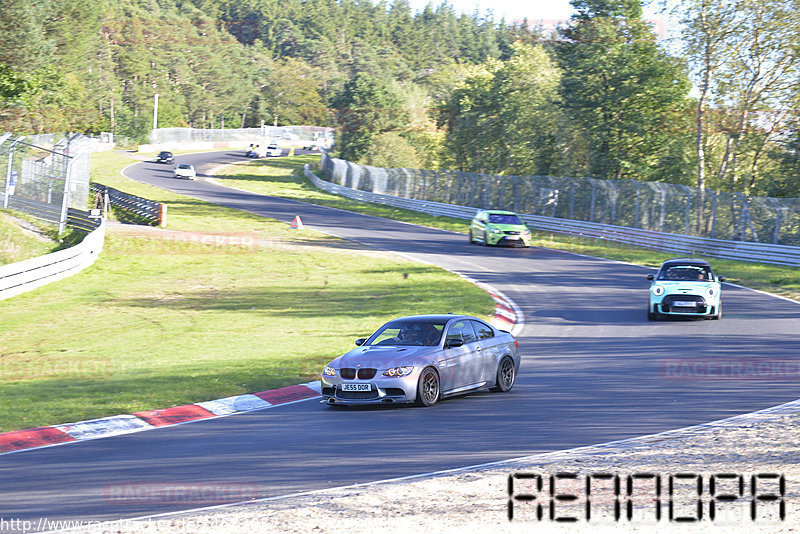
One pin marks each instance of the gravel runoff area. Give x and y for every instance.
(732, 451)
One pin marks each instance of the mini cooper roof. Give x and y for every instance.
(685, 261)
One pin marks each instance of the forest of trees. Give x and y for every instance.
(599, 97)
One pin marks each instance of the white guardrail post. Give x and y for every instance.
(679, 244)
(22, 276)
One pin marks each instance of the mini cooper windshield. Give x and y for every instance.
(408, 333)
(686, 273)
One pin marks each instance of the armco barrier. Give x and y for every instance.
(679, 244)
(22, 276)
(149, 211)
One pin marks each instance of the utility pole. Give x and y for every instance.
(155, 111)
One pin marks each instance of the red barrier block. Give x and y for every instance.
(177, 414)
(34, 437)
(287, 394)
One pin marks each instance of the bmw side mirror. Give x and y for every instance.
(360, 341)
(650, 277)
(452, 343)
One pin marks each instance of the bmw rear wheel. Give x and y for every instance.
(505, 375)
(428, 387)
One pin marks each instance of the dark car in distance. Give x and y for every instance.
(165, 157)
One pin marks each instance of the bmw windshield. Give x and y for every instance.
(408, 333)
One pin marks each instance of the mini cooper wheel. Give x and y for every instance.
(718, 315)
(505, 375)
(428, 387)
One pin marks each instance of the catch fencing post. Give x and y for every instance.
(9, 171)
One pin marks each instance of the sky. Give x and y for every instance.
(549, 12)
(511, 9)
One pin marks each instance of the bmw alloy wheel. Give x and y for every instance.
(428, 388)
(505, 375)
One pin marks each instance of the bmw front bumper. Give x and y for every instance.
(382, 390)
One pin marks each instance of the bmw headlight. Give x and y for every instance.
(329, 371)
(399, 371)
(657, 290)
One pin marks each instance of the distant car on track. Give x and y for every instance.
(258, 151)
(422, 359)
(495, 227)
(186, 171)
(165, 157)
(273, 150)
(685, 287)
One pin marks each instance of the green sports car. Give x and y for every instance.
(686, 287)
(494, 227)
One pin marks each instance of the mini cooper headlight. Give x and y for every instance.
(710, 291)
(658, 290)
(399, 371)
(329, 371)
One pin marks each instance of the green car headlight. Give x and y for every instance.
(399, 371)
(658, 290)
(495, 231)
(329, 371)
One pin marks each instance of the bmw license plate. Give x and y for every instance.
(684, 304)
(356, 387)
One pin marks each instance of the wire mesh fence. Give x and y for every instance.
(309, 134)
(654, 206)
(46, 175)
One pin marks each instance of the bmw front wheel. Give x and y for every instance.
(428, 387)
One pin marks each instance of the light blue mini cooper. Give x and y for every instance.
(686, 287)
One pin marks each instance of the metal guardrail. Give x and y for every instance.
(41, 210)
(22, 276)
(680, 244)
(654, 206)
(50, 213)
(149, 211)
(82, 220)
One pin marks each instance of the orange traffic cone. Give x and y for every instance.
(297, 224)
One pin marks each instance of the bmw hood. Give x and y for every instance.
(383, 357)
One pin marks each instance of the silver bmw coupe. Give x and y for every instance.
(421, 359)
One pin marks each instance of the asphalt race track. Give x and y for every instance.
(593, 370)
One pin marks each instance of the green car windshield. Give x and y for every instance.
(498, 218)
(686, 273)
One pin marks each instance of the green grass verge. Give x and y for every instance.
(17, 245)
(162, 320)
(23, 236)
(283, 179)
